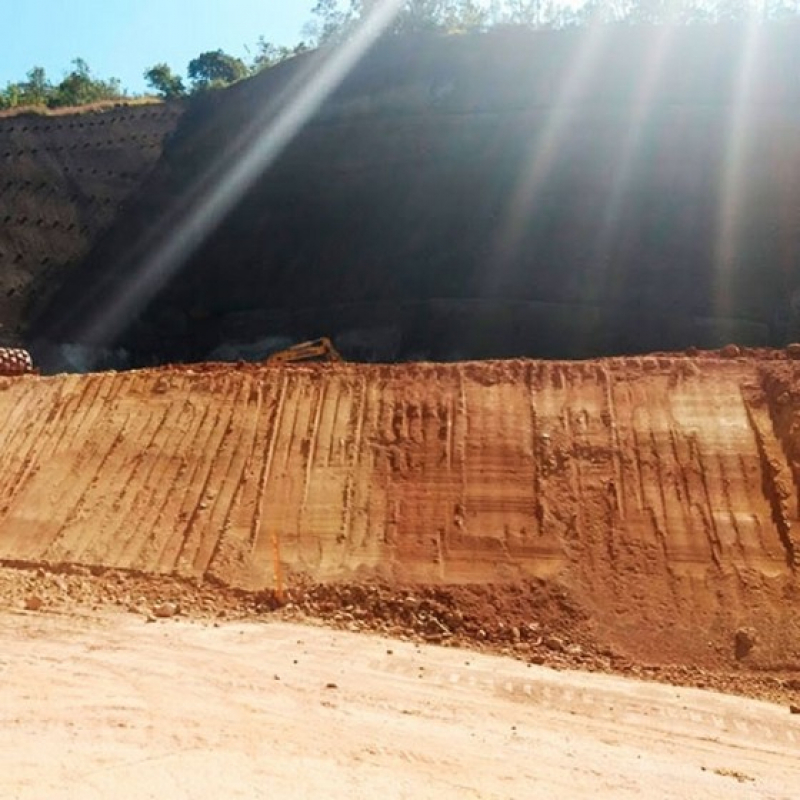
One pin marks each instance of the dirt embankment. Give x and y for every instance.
(645, 504)
(553, 195)
(63, 178)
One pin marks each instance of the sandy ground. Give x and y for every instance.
(102, 704)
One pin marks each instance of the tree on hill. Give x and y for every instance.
(215, 68)
(164, 81)
(33, 92)
(268, 54)
(37, 88)
(334, 20)
(80, 87)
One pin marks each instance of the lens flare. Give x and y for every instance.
(624, 164)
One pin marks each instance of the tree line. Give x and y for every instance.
(334, 20)
(79, 87)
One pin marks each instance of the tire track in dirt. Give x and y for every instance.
(475, 681)
(85, 469)
(659, 492)
(198, 489)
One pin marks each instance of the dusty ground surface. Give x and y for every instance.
(625, 514)
(531, 624)
(102, 704)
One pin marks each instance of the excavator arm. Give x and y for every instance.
(315, 350)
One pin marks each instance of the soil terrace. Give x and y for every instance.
(63, 178)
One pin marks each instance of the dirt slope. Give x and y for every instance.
(62, 180)
(657, 493)
(554, 194)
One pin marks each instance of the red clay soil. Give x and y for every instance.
(640, 509)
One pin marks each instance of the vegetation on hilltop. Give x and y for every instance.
(334, 20)
(216, 68)
(79, 87)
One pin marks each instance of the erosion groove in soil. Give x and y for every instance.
(657, 496)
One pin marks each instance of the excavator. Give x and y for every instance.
(315, 350)
(16, 361)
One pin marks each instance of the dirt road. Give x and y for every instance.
(104, 705)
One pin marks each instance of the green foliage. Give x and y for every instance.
(268, 54)
(37, 89)
(334, 20)
(164, 81)
(215, 68)
(78, 87)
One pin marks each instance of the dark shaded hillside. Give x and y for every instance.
(63, 178)
(507, 194)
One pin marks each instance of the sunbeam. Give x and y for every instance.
(183, 230)
(624, 163)
(733, 187)
(543, 151)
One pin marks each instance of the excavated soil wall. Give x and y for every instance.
(659, 494)
(554, 195)
(63, 179)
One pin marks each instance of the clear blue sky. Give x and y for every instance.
(121, 38)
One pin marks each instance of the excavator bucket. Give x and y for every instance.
(15, 361)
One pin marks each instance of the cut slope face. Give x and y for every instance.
(561, 195)
(62, 181)
(656, 490)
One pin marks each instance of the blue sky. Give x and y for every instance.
(121, 38)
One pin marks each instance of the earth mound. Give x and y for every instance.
(644, 504)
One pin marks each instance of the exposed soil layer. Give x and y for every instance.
(646, 505)
(63, 179)
(553, 195)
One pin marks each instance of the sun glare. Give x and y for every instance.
(624, 161)
(184, 229)
(544, 149)
(733, 189)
